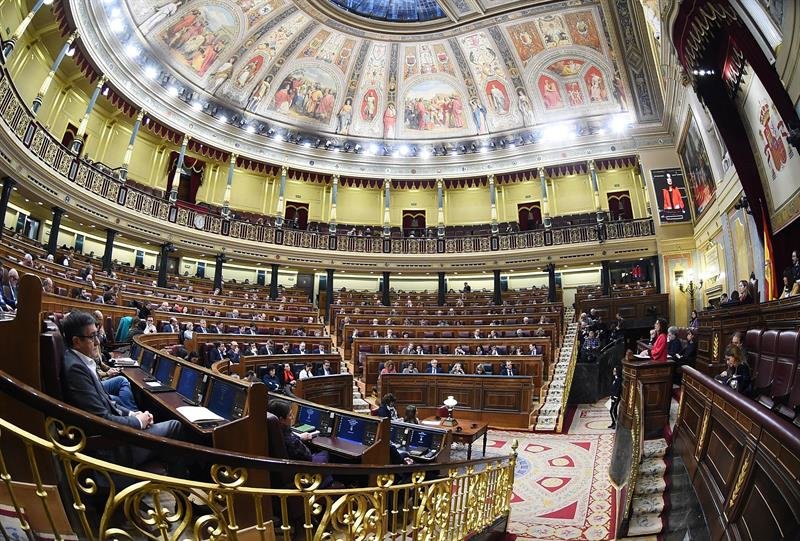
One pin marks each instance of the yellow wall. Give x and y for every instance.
(306, 192)
(359, 206)
(620, 181)
(571, 195)
(467, 206)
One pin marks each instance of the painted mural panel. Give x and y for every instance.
(368, 103)
(671, 196)
(583, 29)
(308, 93)
(433, 106)
(698, 169)
(779, 161)
(200, 36)
(526, 40)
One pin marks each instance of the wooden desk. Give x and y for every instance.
(470, 431)
(499, 400)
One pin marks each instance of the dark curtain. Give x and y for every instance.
(191, 177)
(529, 216)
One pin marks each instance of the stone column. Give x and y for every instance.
(220, 260)
(108, 253)
(37, 101)
(387, 201)
(493, 203)
(8, 46)
(551, 282)
(166, 249)
(545, 200)
(281, 205)
(176, 176)
(498, 293)
(442, 290)
(8, 187)
(226, 199)
(596, 190)
(328, 293)
(334, 197)
(77, 143)
(440, 207)
(605, 277)
(273, 282)
(386, 299)
(126, 160)
(52, 243)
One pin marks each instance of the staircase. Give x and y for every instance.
(549, 416)
(650, 495)
(359, 404)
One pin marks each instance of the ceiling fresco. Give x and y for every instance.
(271, 59)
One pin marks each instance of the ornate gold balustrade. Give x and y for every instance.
(99, 499)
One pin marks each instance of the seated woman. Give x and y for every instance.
(746, 294)
(694, 323)
(737, 374)
(410, 415)
(674, 345)
(387, 408)
(288, 376)
(479, 369)
(457, 369)
(410, 368)
(790, 286)
(388, 368)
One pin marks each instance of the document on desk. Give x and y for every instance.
(125, 362)
(432, 422)
(197, 414)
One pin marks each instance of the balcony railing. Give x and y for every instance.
(100, 180)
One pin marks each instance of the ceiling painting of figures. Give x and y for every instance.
(274, 59)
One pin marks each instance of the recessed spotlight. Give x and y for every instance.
(172, 91)
(222, 118)
(132, 50)
(116, 25)
(150, 72)
(250, 129)
(197, 106)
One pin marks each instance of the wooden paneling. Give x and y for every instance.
(498, 400)
(743, 460)
(334, 391)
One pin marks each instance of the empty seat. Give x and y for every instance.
(782, 370)
(752, 346)
(790, 409)
(766, 362)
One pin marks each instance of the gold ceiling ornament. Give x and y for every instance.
(114, 501)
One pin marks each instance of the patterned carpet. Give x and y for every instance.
(561, 486)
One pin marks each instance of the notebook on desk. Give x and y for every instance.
(157, 387)
(417, 451)
(304, 428)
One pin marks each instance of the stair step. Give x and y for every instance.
(655, 448)
(653, 467)
(650, 485)
(648, 524)
(648, 504)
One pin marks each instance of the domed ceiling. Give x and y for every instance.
(315, 66)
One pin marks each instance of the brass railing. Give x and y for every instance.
(105, 500)
(101, 180)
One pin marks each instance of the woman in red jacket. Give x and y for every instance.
(659, 350)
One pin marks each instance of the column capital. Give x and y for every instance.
(335, 178)
(140, 115)
(9, 181)
(101, 81)
(186, 139)
(387, 183)
(591, 165)
(58, 211)
(111, 232)
(284, 170)
(234, 157)
(490, 178)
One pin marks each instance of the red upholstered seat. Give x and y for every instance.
(752, 345)
(791, 408)
(766, 362)
(782, 370)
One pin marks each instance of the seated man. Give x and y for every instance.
(271, 380)
(434, 367)
(82, 387)
(325, 370)
(295, 447)
(508, 369)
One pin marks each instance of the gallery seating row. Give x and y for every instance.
(414, 333)
(203, 344)
(773, 359)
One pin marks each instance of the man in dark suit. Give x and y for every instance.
(82, 387)
(216, 354)
(172, 326)
(508, 369)
(202, 327)
(325, 370)
(434, 368)
(267, 349)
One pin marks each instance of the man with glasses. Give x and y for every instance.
(84, 390)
